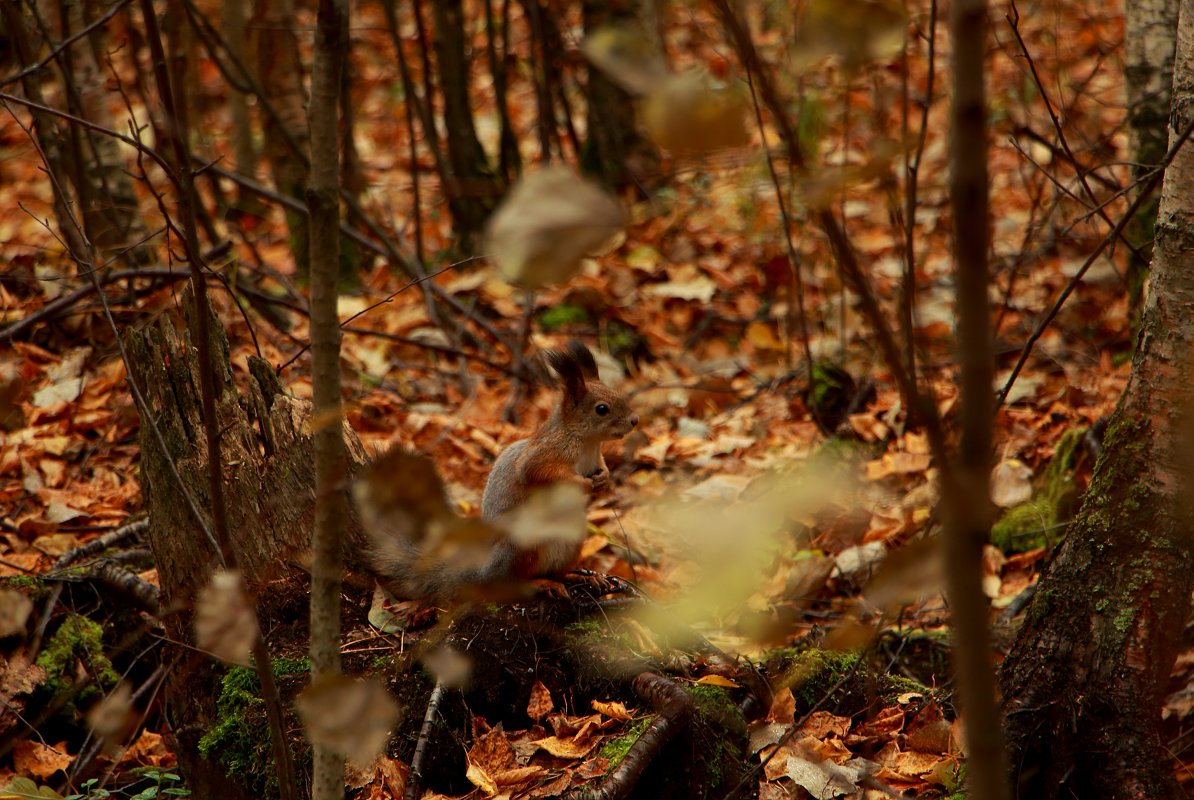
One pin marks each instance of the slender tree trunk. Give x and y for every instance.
(967, 494)
(615, 151)
(45, 128)
(331, 462)
(280, 73)
(1084, 682)
(474, 191)
(111, 212)
(232, 22)
(1149, 27)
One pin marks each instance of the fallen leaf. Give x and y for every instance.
(540, 704)
(38, 760)
(353, 716)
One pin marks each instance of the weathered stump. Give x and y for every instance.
(268, 484)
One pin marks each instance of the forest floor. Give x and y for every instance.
(751, 522)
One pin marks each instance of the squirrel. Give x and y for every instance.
(567, 447)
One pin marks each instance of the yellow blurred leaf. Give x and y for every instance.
(857, 31)
(686, 114)
(627, 55)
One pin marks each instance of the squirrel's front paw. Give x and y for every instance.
(597, 480)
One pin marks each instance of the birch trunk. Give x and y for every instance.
(1084, 682)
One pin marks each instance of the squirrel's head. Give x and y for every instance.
(590, 407)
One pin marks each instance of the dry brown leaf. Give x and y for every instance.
(15, 609)
(627, 55)
(449, 666)
(783, 707)
(1011, 483)
(857, 31)
(546, 225)
(352, 716)
(37, 760)
(687, 114)
(540, 704)
(565, 748)
(225, 621)
(112, 717)
(613, 710)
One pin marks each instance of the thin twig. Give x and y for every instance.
(1153, 180)
(416, 762)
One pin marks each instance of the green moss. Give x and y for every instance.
(24, 583)
(78, 639)
(892, 686)
(1036, 522)
(284, 667)
(239, 739)
(714, 701)
(814, 672)
(1123, 619)
(586, 627)
(719, 713)
(564, 314)
(616, 749)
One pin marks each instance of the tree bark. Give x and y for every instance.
(111, 212)
(232, 21)
(1085, 679)
(280, 73)
(967, 495)
(1149, 42)
(615, 151)
(269, 492)
(331, 461)
(473, 191)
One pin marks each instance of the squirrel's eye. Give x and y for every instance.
(602, 409)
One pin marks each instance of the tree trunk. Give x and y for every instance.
(232, 21)
(45, 127)
(1149, 41)
(615, 151)
(280, 73)
(331, 460)
(1084, 682)
(111, 212)
(473, 191)
(269, 492)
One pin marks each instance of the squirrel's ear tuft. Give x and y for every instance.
(574, 366)
(583, 358)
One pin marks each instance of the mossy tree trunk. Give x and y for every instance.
(1084, 682)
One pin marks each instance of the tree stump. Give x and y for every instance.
(268, 479)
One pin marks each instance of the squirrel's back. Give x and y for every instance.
(501, 488)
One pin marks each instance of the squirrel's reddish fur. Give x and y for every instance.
(567, 447)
